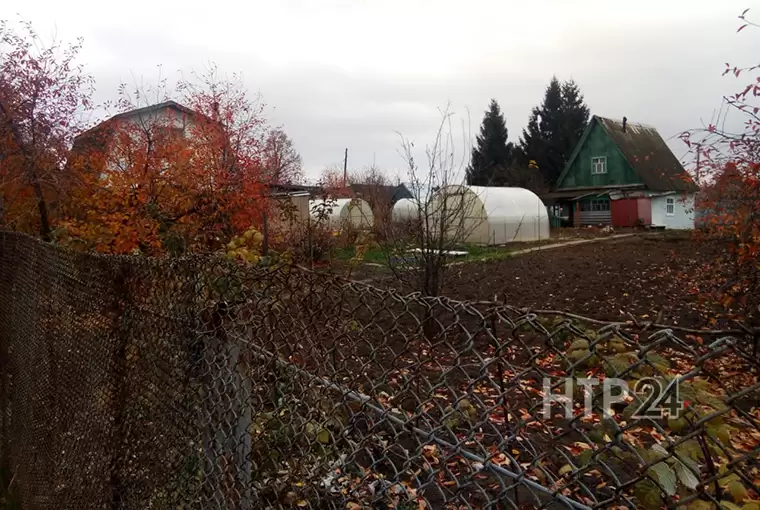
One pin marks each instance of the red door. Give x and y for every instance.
(645, 210)
(625, 212)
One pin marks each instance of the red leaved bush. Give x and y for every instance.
(728, 208)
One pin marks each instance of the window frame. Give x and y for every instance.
(598, 159)
(596, 205)
(670, 204)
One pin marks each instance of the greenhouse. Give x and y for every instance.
(490, 215)
(405, 210)
(342, 211)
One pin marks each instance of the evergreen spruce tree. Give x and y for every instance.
(553, 129)
(531, 145)
(575, 115)
(493, 153)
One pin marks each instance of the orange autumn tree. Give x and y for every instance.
(728, 171)
(172, 178)
(334, 183)
(44, 95)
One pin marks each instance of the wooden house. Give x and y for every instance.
(623, 174)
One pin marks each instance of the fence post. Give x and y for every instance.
(4, 425)
(265, 234)
(228, 417)
(310, 242)
(118, 363)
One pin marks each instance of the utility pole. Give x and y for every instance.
(699, 170)
(345, 169)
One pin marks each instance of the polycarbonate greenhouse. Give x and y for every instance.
(341, 211)
(491, 215)
(405, 209)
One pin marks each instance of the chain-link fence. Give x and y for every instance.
(195, 383)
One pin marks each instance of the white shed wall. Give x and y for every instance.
(683, 212)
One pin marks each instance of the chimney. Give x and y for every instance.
(625, 123)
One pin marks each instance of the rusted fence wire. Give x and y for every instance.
(131, 383)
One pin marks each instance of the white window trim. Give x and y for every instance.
(603, 160)
(670, 202)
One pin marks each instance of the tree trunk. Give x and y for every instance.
(42, 207)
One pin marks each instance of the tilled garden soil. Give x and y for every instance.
(654, 278)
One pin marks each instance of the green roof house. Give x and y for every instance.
(624, 174)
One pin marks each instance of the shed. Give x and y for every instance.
(340, 211)
(491, 215)
(405, 209)
(287, 208)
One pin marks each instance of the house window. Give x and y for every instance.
(670, 206)
(599, 165)
(596, 205)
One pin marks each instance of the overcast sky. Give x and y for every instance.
(353, 73)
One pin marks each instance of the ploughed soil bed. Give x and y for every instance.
(653, 277)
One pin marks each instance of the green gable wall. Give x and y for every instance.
(598, 144)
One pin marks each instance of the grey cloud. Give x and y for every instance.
(665, 73)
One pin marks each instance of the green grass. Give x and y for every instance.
(474, 253)
(376, 255)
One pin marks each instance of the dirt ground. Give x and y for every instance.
(654, 277)
(651, 277)
(663, 277)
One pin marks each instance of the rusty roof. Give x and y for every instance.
(647, 153)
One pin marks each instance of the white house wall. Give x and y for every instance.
(683, 214)
(163, 117)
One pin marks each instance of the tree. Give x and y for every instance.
(372, 185)
(161, 184)
(333, 182)
(532, 144)
(44, 95)
(541, 141)
(282, 163)
(437, 227)
(493, 152)
(525, 176)
(554, 129)
(418, 251)
(575, 115)
(728, 170)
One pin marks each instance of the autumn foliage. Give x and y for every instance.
(44, 98)
(172, 179)
(728, 170)
(159, 177)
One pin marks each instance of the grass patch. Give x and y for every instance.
(475, 253)
(376, 255)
